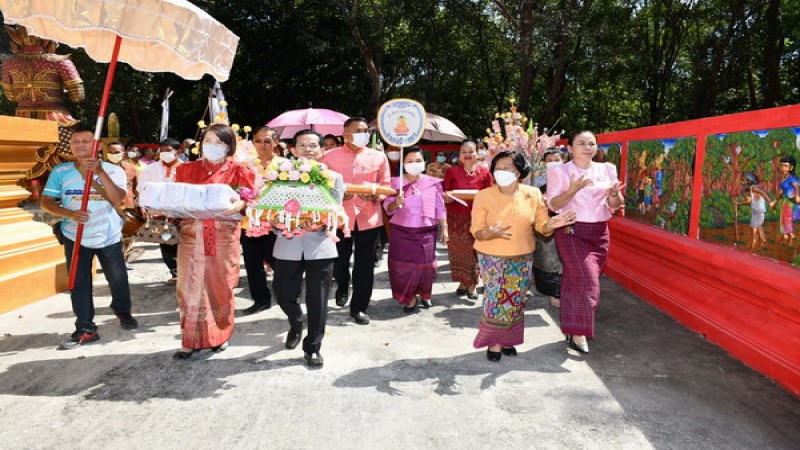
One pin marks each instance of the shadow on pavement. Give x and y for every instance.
(547, 358)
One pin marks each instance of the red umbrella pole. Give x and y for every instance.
(112, 68)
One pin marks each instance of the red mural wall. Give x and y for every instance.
(746, 304)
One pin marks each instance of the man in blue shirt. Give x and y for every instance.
(102, 233)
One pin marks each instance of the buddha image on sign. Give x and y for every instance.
(402, 126)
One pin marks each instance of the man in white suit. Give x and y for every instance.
(313, 253)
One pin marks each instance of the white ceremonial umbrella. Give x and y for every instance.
(159, 36)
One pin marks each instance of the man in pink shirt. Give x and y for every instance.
(358, 164)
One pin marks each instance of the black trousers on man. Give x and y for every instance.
(287, 285)
(255, 252)
(169, 253)
(363, 266)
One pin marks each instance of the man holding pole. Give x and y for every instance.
(358, 164)
(102, 235)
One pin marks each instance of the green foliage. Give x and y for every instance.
(619, 64)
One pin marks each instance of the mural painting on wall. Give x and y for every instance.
(609, 153)
(659, 183)
(751, 192)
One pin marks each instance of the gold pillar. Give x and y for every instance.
(32, 265)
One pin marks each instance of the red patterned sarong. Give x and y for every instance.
(460, 250)
(583, 255)
(206, 281)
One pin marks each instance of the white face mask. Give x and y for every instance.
(132, 155)
(504, 177)
(114, 158)
(360, 139)
(393, 155)
(214, 152)
(415, 168)
(167, 157)
(481, 153)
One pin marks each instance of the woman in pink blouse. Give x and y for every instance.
(414, 213)
(593, 191)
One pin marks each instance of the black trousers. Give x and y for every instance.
(256, 251)
(169, 253)
(363, 266)
(287, 286)
(113, 263)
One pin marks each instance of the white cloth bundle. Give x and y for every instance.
(185, 200)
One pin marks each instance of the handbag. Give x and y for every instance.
(159, 230)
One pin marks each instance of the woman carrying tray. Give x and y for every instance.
(208, 257)
(414, 212)
(463, 259)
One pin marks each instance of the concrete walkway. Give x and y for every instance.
(402, 382)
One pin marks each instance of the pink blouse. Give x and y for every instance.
(590, 203)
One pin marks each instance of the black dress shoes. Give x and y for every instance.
(472, 295)
(342, 296)
(360, 318)
(509, 351)
(257, 307)
(314, 359)
(293, 338)
(180, 354)
(220, 348)
(461, 291)
(426, 304)
(493, 356)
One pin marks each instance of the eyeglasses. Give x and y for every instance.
(265, 141)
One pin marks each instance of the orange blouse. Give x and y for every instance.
(522, 210)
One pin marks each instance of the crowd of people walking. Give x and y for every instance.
(511, 233)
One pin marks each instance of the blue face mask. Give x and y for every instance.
(441, 158)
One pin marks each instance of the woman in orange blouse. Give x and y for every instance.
(502, 217)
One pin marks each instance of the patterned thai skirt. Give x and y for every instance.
(505, 281)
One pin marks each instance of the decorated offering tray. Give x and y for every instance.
(369, 189)
(185, 200)
(296, 197)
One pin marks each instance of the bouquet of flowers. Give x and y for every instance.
(294, 197)
(509, 134)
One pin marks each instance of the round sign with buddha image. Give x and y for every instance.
(401, 122)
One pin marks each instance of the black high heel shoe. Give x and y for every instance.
(493, 356)
(509, 351)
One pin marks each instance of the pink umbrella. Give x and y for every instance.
(323, 121)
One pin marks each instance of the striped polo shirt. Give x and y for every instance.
(104, 227)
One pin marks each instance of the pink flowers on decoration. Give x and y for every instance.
(286, 166)
(247, 194)
(271, 175)
(294, 175)
(305, 167)
(292, 206)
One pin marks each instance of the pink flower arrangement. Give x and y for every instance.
(305, 167)
(262, 230)
(292, 206)
(294, 175)
(286, 166)
(247, 194)
(272, 175)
